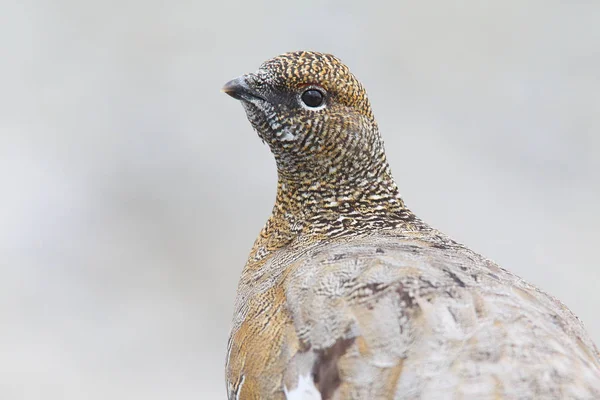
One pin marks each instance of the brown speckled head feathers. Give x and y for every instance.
(298, 70)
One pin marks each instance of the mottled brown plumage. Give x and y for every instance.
(347, 295)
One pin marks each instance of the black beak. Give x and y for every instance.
(239, 89)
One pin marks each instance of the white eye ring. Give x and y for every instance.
(312, 98)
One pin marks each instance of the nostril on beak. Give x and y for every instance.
(239, 89)
(236, 88)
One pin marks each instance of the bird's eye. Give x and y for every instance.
(312, 98)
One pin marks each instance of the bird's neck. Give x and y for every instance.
(338, 203)
(317, 208)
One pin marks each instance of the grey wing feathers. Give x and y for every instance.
(388, 318)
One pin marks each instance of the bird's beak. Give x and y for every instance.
(239, 89)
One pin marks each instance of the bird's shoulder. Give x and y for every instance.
(376, 316)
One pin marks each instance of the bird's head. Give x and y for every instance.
(312, 112)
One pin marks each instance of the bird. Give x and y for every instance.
(347, 294)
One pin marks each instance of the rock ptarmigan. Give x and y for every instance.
(347, 294)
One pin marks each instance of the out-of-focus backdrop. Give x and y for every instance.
(132, 189)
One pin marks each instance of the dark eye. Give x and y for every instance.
(312, 98)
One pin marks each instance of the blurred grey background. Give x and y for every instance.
(132, 190)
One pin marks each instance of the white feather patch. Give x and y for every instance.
(306, 390)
